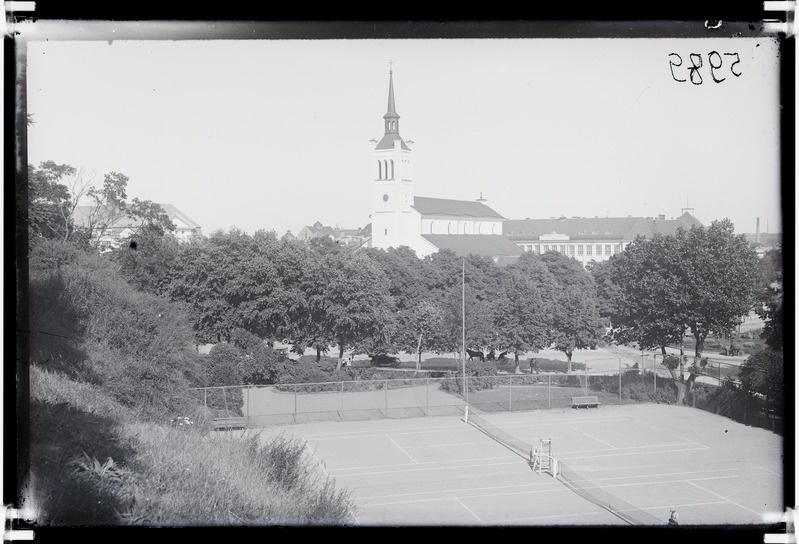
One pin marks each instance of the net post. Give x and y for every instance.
(619, 380)
(342, 396)
(386, 396)
(549, 391)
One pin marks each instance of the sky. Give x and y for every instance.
(274, 134)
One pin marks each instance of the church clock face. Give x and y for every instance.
(385, 198)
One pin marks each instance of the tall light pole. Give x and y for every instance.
(463, 330)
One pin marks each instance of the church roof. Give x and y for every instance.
(597, 228)
(475, 244)
(387, 142)
(457, 208)
(81, 217)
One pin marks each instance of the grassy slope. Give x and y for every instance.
(94, 462)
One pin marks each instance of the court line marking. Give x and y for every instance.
(458, 427)
(554, 482)
(667, 430)
(593, 437)
(599, 512)
(560, 490)
(419, 469)
(318, 461)
(470, 511)
(437, 465)
(628, 448)
(634, 453)
(725, 498)
(402, 450)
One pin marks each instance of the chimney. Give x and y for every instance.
(757, 231)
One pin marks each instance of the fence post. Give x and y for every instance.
(719, 365)
(585, 374)
(427, 397)
(619, 380)
(295, 401)
(549, 392)
(510, 393)
(247, 420)
(386, 388)
(342, 396)
(205, 397)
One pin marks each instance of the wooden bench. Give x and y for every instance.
(230, 423)
(587, 402)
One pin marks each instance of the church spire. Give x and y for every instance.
(391, 118)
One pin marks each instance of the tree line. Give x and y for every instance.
(323, 296)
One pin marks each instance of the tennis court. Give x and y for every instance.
(441, 471)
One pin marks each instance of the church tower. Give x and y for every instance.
(392, 188)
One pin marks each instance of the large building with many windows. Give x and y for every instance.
(426, 225)
(590, 239)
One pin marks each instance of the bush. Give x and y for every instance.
(641, 391)
(223, 365)
(671, 362)
(137, 346)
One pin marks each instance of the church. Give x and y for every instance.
(426, 225)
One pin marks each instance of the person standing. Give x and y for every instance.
(673, 518)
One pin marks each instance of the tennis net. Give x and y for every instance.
(592, 492)
(509, 441)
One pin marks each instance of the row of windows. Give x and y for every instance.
(452, 228)
(576, 249)
(384, 168)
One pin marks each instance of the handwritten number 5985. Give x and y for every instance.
(693, 72)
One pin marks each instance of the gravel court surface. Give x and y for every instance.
(440, 471)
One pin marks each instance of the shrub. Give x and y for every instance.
(671, 362)
(223, 365)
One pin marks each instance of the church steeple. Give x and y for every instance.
(391, 119)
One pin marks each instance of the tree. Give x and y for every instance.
(718, 274)
(49, 201)
(574, 318)
(769, 304)
(524, 310)
(346, 302)
(764, 373)
(649, 300)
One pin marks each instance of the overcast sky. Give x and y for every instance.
(275, 134)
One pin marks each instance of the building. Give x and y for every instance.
(110, 226)
(590, 239)
(426, 225)
(348, 237)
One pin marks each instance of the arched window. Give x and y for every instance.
(379, 170)
(385, 169)
(449, 224)
(392, 168)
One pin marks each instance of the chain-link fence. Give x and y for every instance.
(711, 385)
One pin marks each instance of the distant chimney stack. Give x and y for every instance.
(661, 217)
(757, 231)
